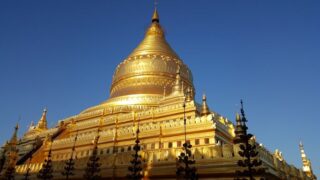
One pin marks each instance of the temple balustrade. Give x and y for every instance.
(224, 128)
(87, 124)
(68, 119)
(122, 118)
(145, 114)
(110, 119)
(40, 134)
(168, 109)
(173, 126)
(152, 157)
(89, 115)
(123, 158)
(265, 155)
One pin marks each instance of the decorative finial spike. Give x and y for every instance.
(204, 97)
(17, 126)
(238, 118)
(42, 124)
(31, 126)
(155, 4)
(177, 88)
(189, 95)
(155, 16)
(178, 70)
(205, 108)
(244, 119)
(14, 137)
(306, 164)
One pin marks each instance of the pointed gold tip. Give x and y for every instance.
(238, 117)
(155, 16)
(205, 108)
(204, 97)
(178, 71)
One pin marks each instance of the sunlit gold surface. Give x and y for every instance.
(149, 69)
(152, 88)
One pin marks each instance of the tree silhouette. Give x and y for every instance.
(11, 156)
(27, 175)
(184, 161)
(69, 164)
(136, 164)
(93, 166)
(3, 157)
(247, 150)
(46, 171)
(9, 173)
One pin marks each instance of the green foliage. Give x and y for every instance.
(2, 160)
(9, 173)
(27, 175)
(68, 168)
(136, 163)
(248, 152)
(93, 166)
(184, 164)
(46, 171)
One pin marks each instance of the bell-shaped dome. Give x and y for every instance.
(147, 74)
(149, 71)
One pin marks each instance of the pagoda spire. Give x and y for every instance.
(205, 108)
(42, 124)
(176, 89)
(238, 119)
(154, 41)
(306, 164)
(189, 95)
(11, 156)
(31, 126)
(239, 130)
(14, 138)
(155, 16)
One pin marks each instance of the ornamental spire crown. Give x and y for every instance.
(14, 138)
(306, 164)
(155, 16)
(139, 80)
(177, 88)
(42, 124)
(205, 108)
(154, 40)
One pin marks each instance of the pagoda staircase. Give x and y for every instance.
(39, 146)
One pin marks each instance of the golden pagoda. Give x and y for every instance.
(152, 87)
(306, 163)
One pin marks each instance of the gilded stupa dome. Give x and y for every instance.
(149, 72)
(150, 69)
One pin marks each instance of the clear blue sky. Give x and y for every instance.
(62, 54)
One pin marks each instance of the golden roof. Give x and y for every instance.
(149, 70)
(154, 41)
(42, 124)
